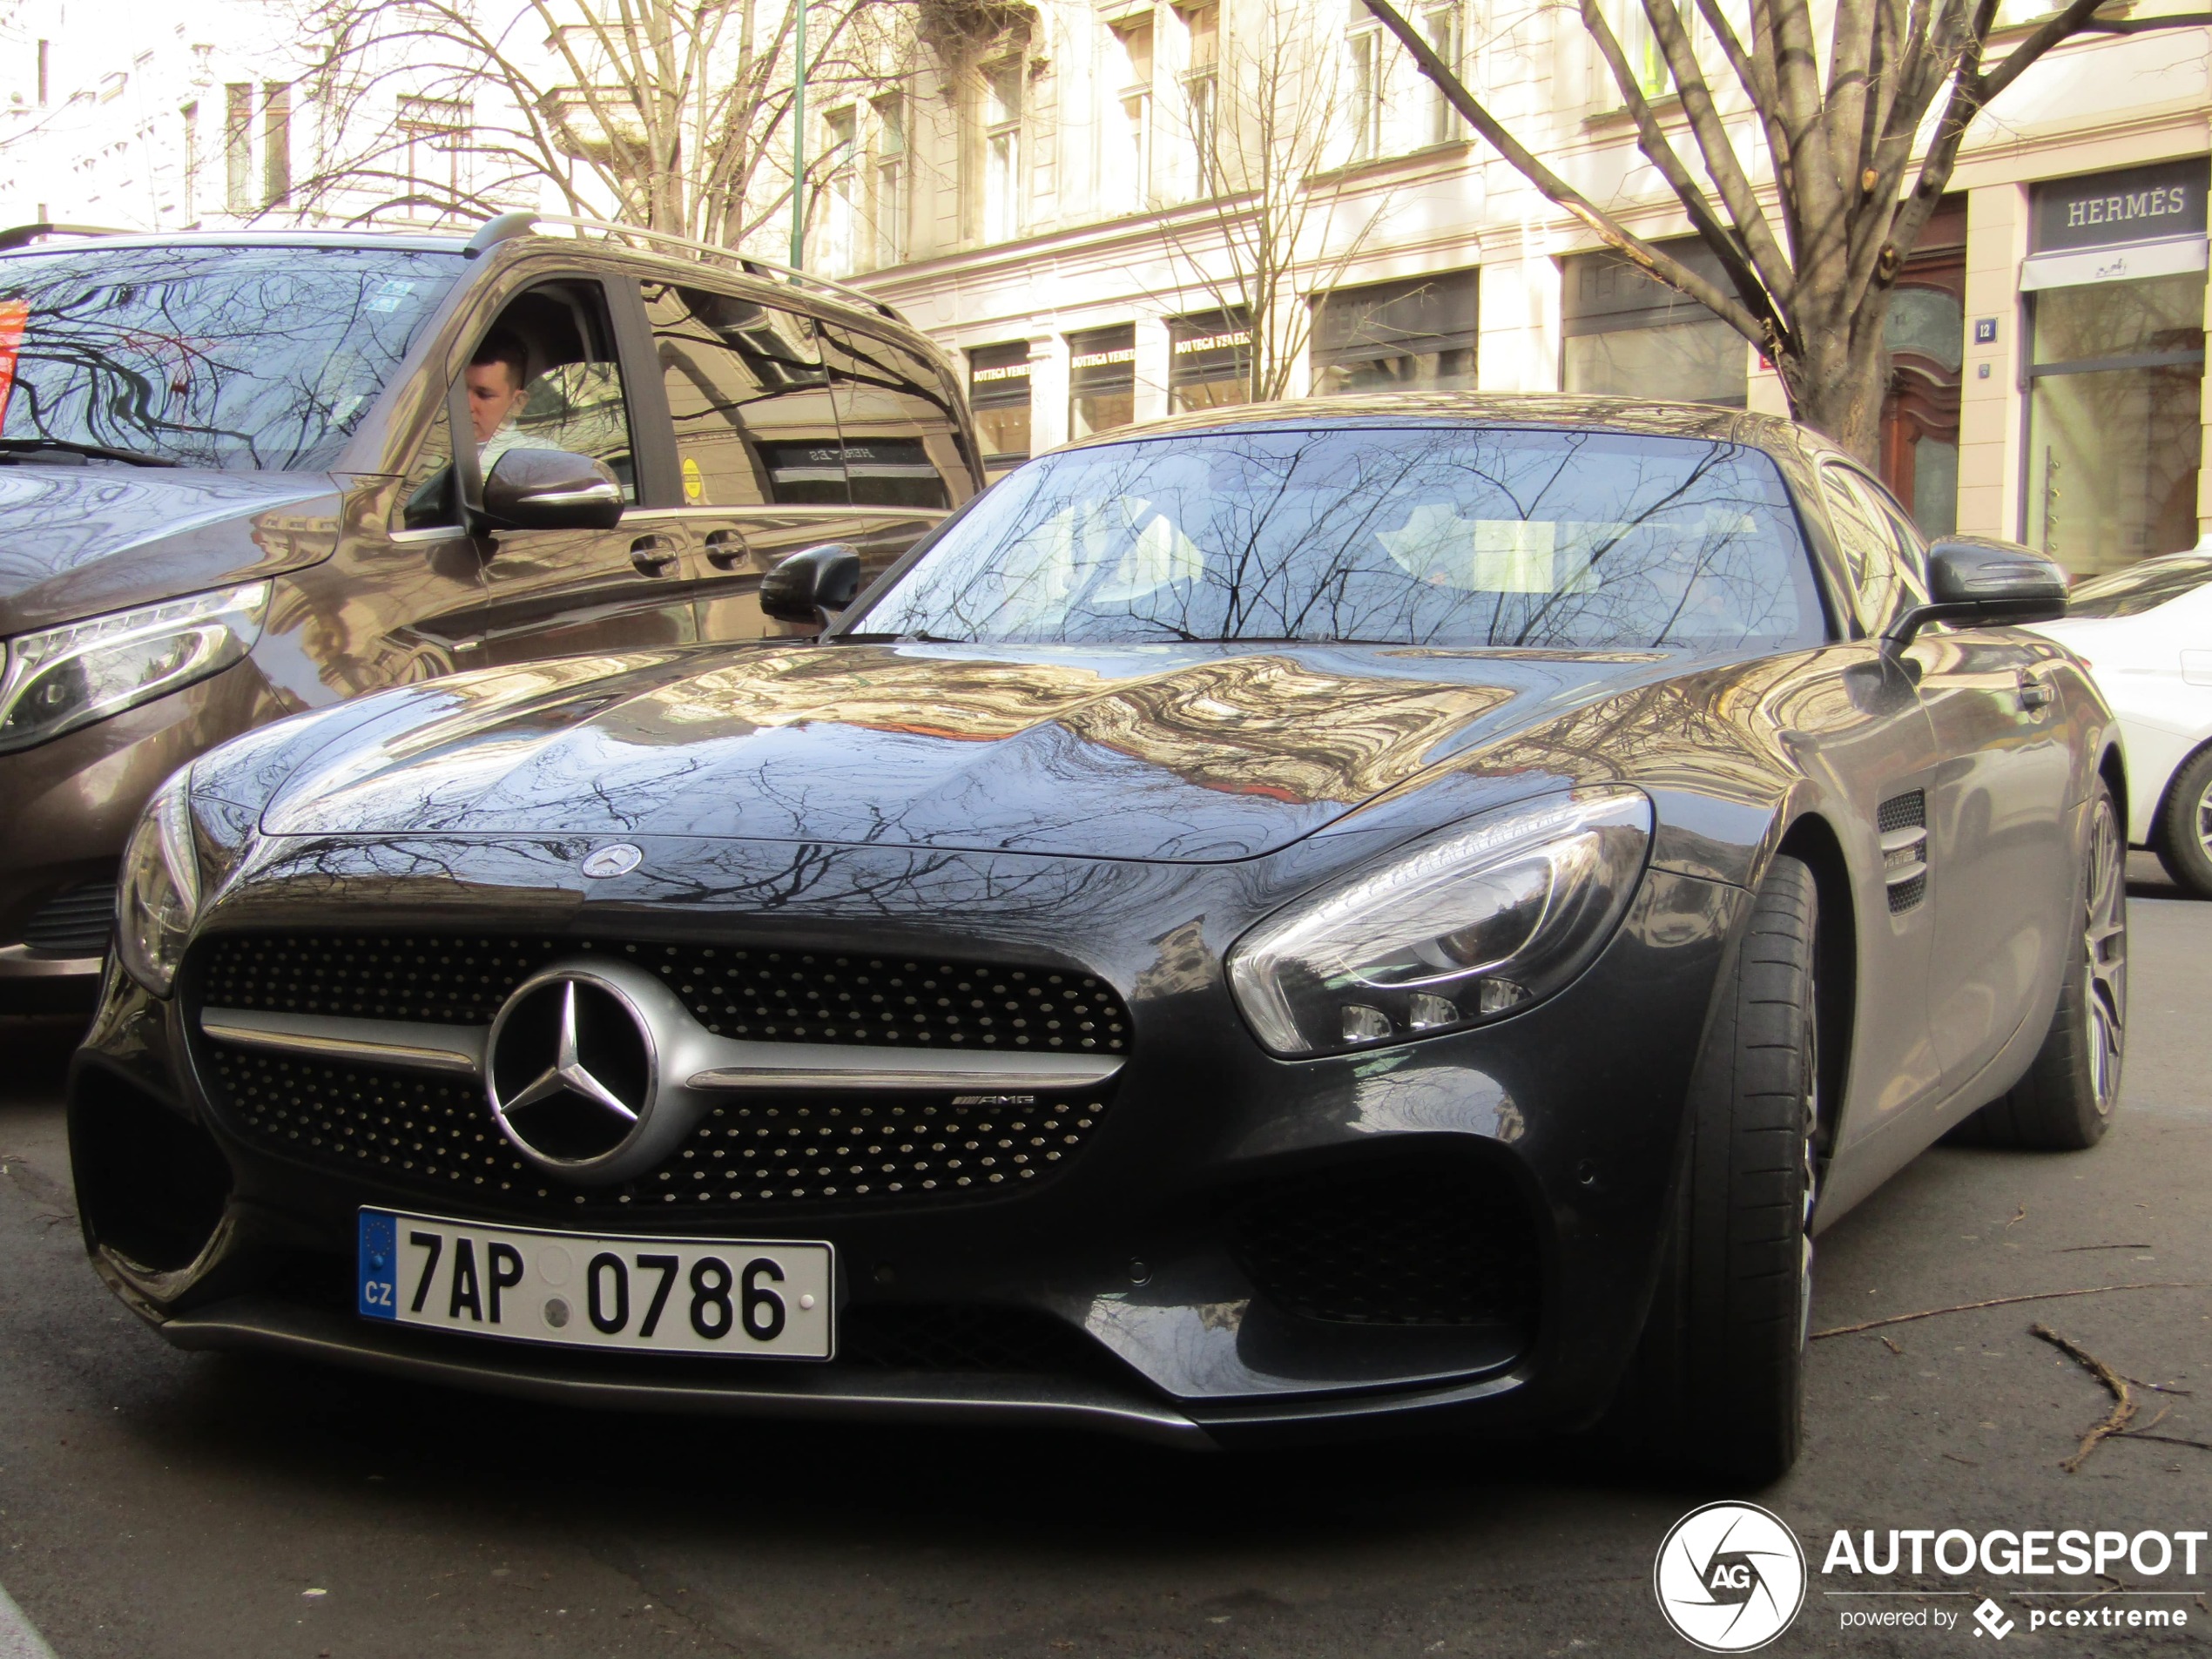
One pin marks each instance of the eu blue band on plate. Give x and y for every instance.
(380, 1265)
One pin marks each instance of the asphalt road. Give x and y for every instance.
(158, 1503)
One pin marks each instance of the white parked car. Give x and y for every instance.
(2147, 633)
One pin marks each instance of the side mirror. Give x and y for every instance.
(1981, 580)
(551, 489)
(813, 585)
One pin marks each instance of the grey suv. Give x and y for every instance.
(229, 490)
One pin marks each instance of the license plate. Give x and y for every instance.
(768, 1300)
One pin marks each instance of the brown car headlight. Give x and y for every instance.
(63, 677)
(158, 899)
(1464, 926)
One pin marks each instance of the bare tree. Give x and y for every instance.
(673, 115)
(1264, 128)
(1813, 297)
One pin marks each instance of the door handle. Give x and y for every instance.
(2035, 691)
(726, 550)
(653, 555)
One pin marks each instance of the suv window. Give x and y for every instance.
(750, 399)
(902, 433)
(234, 357)
(545, 375)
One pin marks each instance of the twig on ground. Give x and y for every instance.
(2123, 1407)
(2002, 1301)
(2018, 1216)
(2163, 1440)
(1968, 1461)
(2069, 1249)
(1891, 1345)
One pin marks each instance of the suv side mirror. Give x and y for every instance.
(551, 489)
(814, 584)
(1978, 579)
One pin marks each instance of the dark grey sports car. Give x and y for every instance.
(1410, 909)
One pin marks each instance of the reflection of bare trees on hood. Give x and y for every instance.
(1425, 537)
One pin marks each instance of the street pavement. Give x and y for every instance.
(158, 1503)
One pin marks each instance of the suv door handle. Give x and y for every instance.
(2035, 691)
(726, 550)
(653, 555)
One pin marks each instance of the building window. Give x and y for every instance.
(2116, 371)
(998, 393)
(276, 145)
(1925, 333)
(45, 56)
(1002, 150)
(1200, 94)
(1364, 104)
(1125, 156)
(189, 115)
(840, 244)
(1440, 28)
(434, 133)
(887, 180)
(1101, 380)
(1627, 334)
(238, 147)
(1210, 360)
(1416, 333)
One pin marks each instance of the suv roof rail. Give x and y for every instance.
(24, 235)
(509, 225)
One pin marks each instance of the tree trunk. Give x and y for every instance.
(1837, 385)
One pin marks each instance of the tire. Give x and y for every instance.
(1716, 1385)
(2182, 836)
(2066, 1102)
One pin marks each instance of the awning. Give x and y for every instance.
(2121, 262)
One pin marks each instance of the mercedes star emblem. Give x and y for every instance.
(619, 858)
(572, 1074)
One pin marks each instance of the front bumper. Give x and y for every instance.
(1561, 1126)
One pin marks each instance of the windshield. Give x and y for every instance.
(2140, 587)
(233, 357)
(1446, 536)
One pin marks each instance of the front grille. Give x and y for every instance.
(1441, 1242)
(762, 996)
(969, 1338)
(75, 923)
(436, 1137)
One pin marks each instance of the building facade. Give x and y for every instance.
(1040, 197)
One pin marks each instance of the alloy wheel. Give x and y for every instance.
(2105, 940)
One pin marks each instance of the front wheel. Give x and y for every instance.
(2066, 1102)
(1716, 1384)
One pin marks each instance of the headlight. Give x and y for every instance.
(1465, 926)
(69, 676)
(158, 895)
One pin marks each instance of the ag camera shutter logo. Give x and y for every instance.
(1730, 1577)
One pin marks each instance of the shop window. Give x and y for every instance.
(1626, 334)
(2115, 421)
(1101, 380)
(1210, 361)
(1415, 334)
(998, 393)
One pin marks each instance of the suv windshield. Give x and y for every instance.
(1443, 536)
(2140, 587)
(230, 357)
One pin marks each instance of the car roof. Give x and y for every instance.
(1637, 415)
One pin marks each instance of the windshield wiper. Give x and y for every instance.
(893, 639)
(29, 449)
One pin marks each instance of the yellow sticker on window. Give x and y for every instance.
(694, 483)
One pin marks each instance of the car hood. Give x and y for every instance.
(1169, 752)
(76, 541)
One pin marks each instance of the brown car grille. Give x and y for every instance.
(763, 996)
